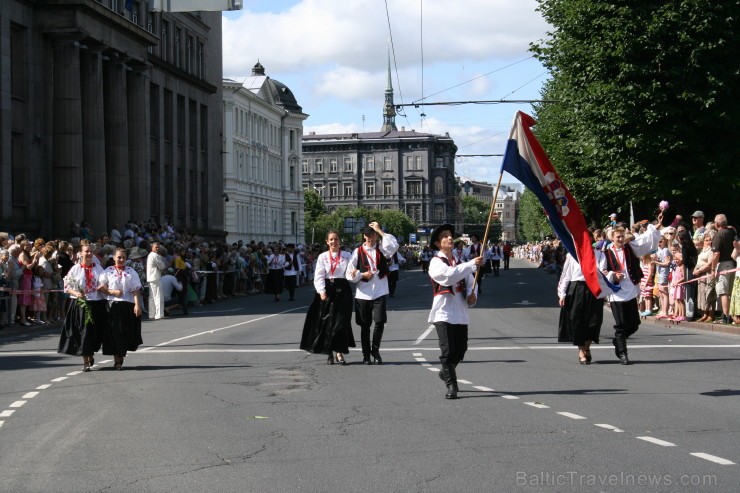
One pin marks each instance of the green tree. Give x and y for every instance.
(475, 217)
(533, 223)
(648, 102)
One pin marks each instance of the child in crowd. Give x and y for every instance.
(677, 291)
(646, 285)
(38, 305)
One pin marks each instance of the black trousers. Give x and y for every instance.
(626, 318)
(392, 281)
(506, 262)
(367, 312)
(290, 283)
(495, 264)
(453, 342)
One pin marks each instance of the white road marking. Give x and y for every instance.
(426, 364)
(571, 415)
(43, 387)
(423, 336)
(106, 361)
(59, 379)
(657, 441)
(537, 405)
(421, 360)
(713, 458)
(17, 404)
(213, 331)
(73, 373)
(30, 395)
(433, 369)
(6, 414)
(417, 354)
(466, 382)
(510, 397)
(2, 423)
(483, 389)
(609, 427)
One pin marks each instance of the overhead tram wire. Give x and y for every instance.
(480, 101)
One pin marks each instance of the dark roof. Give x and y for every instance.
(283, 96)
(393, 134)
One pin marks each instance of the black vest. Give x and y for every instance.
(438, 289)
(363, 265)
(633, 263)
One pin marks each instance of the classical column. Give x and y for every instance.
(137, 85)
(93, 144)
(67, 187)
(118, 187)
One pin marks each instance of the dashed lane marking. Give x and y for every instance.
(30, 395)
(17, 404)
(482, 389)
(73, 373)
(609, 427)
(423, 336)
(510, 397)
(657, 441)
(58, 379)
(538, 405)
(571, 415)
(466, 382)
(6, 413)
(713, 458)
(43, 387)
(421, 360)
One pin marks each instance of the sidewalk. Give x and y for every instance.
(724, 329)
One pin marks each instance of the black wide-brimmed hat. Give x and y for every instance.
(435, 234)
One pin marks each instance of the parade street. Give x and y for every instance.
(223, 400)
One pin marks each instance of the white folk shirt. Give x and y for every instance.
(395, 261)
(126, 280)
(169, 286)
(75, 281)
(641, 245)
(276, 262)
(324, 265)
(572, 272)
(451, 308)
(375, 287)
(289, 270)
(459, 255)
(473, 251)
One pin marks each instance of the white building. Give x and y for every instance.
(263, 126)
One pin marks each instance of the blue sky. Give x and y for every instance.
(334, 55)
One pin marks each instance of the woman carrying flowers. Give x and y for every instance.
(87, 315)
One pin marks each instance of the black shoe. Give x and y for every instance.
(330, 360)
(340, 359)
(366, 360)
(376, 356)
(624, 360)
(451, 392)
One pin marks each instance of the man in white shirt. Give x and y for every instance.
(476, 250)
(395, 262)
(170, 285)
(495, 254)
(368, 268)
(155, 265)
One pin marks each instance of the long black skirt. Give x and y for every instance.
(328, 325)
(79, 338)
(123, 332)
(275, 281)
(581, 317)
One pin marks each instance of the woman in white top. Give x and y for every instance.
(121, 285)
(328, 325)
(581, 313)
(87, 315)
(276, 265)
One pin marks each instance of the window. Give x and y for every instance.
(439, 186)
(292, 140)
(414, 211)
(439, 212)
(413, 188)
(304, 165)
(333, 165)
(348, 190)
(387, 188)
(409, 163)
(370, 189)
(348, 164)
(333, 187)
(18, 54)
(369, 163)
(189, 55)
(165, 46)
(319, 189)
(178, 35)
(417, 162)
(439, 163)
(387, 164)
(318, 165)
(135, 13)
(200, 61)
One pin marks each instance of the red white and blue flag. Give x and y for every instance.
(526, 161)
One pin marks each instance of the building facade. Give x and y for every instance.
(391, 169)
(263, 126)
(507, 203)
(108, 115)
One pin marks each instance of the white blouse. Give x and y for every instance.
(75, 281)
(127, 281)
(324, 266)
(451, 308)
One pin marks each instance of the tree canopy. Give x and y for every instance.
(475, 217)
(392, 221)
(648, 103)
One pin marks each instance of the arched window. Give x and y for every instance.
(439, 186)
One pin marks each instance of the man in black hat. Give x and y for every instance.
(452, 283)
(368, 268)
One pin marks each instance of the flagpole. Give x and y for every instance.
(488, 227)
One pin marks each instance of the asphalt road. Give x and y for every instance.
(223, 400)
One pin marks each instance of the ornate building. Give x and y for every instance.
(109, 114)
(507, 203)
(263, 125)
(391, 169)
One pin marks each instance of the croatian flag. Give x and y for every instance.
(526, 161)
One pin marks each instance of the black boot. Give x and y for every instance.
(451, 382)
(443, 373)
(365, 341)
(620, 346)
(376, 355)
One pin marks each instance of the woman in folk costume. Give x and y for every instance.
(122, 286)
(276, 275)
(87, 314)
(293, 266)
(453, 294)
(581, 313)
(328, 325)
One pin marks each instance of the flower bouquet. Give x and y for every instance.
(81, 301)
